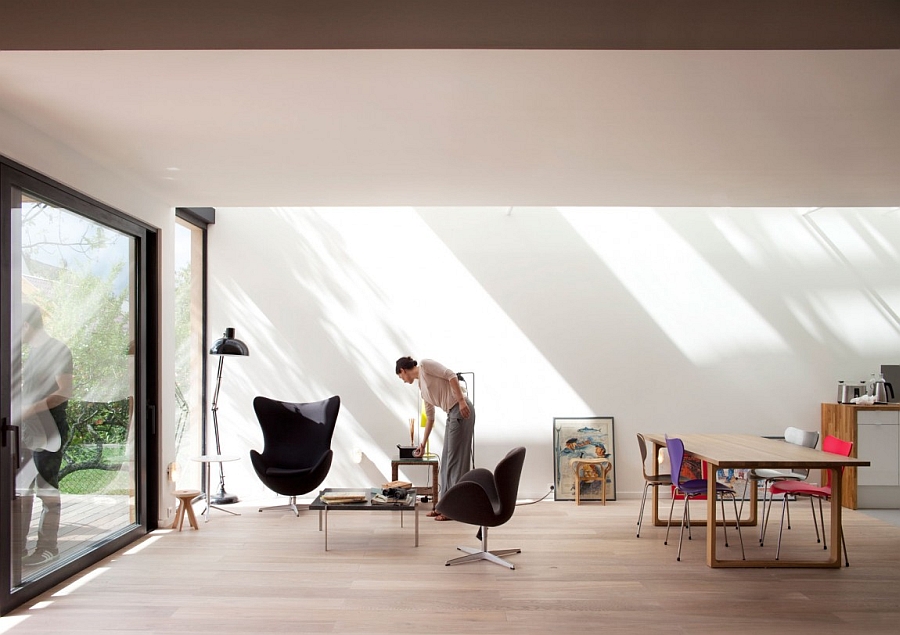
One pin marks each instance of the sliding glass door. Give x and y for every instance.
(73, 342)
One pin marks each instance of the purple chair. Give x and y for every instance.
(690, 489)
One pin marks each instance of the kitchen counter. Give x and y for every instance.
(875, 433)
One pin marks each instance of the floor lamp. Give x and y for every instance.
(225, 345)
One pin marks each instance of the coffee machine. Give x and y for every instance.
(847, 391)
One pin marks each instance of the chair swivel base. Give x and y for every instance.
(290, 506)
(478, 554)
(474, 555)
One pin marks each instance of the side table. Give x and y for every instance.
(588, 471)
(432, 491)
(209, 459)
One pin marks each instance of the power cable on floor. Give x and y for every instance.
(535, 501)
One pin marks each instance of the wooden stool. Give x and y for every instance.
(589, 471)
(185, 503)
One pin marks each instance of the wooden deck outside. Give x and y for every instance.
(85, 518)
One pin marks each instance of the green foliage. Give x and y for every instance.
(78, 273)
(97, 445)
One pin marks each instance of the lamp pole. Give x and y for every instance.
(221, 497)
(226, 345)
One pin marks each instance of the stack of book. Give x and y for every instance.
(336, 498)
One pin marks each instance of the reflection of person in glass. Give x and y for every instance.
(46, 389)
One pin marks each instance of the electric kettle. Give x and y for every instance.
(881, 389)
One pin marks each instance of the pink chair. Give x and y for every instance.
(801, 488)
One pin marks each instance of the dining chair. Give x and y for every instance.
(799, 488)
(691, 489)
(808, 439)
(650, 480)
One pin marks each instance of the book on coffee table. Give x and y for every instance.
(336, 498)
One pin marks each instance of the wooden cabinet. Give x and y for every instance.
(875, 433)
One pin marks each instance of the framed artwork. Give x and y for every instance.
(582, 437)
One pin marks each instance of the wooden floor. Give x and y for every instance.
(581, 570)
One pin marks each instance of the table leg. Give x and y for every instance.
(655, 457)
(416, 504)
(435, 477)
(206, 511)
(605, 471)
(577, 485)
(326, 528)
(836, 504)
(754, 504)
(711, 515)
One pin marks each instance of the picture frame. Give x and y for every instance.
(582, 437)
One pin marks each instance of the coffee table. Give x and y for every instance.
(410, 503)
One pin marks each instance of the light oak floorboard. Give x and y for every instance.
(581, 570)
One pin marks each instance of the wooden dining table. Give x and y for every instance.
(745, 451)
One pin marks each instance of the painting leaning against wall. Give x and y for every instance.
(582, 438)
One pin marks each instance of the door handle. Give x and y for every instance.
(6, 428)
(15, 430)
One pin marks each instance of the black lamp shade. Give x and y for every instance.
(228, 345)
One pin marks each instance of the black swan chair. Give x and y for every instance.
(488, 500)
(297, 453)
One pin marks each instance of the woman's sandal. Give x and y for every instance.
(433, 513)
(442, 517)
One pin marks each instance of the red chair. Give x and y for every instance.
(801, 488)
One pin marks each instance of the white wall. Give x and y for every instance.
(669, 320)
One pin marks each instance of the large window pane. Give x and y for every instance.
(189, 350)
(72, 386)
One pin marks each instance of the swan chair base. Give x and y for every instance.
(474, 555)
(291, 505)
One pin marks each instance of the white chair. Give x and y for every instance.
(791, 435)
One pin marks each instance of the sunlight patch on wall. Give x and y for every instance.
(738, 238)
(844, 236)
(806, 317)
(855, 319)
(689, 300)
(393, 287)
(863, 306)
